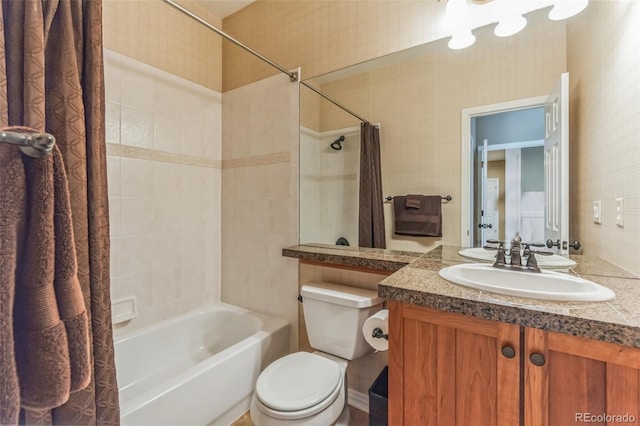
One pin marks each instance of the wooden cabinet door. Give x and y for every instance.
(448, 369)
(580, 381)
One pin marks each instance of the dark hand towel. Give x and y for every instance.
(425, 221)
(413, 201)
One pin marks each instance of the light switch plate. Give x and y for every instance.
(597, 210)
(620, 212)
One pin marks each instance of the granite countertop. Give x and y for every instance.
(416, 281)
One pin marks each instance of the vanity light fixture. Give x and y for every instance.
(461, 40)
(563, 9)
(458, 21)
(509, 14)
(510, 26)
(456, 16)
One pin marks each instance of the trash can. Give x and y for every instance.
(378, 399)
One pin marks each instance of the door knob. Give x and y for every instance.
(575, 244)
(551, 244)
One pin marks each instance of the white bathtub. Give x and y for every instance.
(196, 369)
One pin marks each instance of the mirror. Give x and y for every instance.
(417, 96)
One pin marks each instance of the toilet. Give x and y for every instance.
(311, 388)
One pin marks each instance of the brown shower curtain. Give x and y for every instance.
(52, 79)
(370, 212)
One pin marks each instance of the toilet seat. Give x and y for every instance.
(298, 385)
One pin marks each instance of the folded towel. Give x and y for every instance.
(425, 221)
(413, 201)
(50, 323)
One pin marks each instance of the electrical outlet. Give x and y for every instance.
(620, 212)
(597, 218)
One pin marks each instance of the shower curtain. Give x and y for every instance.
(370, 211)
(52, 78)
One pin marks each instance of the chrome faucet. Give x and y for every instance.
(516, 258)
(516, 245)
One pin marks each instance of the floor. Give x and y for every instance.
(358, 418)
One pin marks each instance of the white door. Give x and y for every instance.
(556, 165)
(482, 223)
(491, 212)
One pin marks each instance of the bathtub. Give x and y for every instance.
(196, 369)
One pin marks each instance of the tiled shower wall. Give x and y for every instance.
(260, 197)
(329, 186)
(164, 150)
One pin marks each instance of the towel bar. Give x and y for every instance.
(444, 197)
(36, 145)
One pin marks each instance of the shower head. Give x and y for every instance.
(337, 144)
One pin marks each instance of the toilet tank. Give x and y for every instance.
(334, 315)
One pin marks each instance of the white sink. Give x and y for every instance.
(547, 285)
(546, 262)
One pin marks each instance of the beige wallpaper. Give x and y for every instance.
(419, 106)
(322, 36)
(603, 47)
(155, 33)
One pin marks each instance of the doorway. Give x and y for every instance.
(509, 194)
(504, 143)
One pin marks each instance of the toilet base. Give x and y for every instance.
(345, 417)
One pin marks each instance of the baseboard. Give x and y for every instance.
(358, 400)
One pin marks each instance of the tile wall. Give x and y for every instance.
(164, 172)
(260, 197)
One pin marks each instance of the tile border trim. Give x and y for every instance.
(139, 153)
(257, 160)
(129, 151)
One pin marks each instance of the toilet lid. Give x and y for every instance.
(297, 381)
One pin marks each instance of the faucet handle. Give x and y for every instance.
(492, 241)
(532, 263)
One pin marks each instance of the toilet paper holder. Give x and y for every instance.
(378, 334)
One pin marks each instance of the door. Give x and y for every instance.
(556, 166)
(449, 370)
(484, 223)
(570, 380)
(491, 212)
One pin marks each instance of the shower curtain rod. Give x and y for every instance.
(292, 75)
(333, 101)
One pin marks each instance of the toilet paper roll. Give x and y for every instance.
(378, 320)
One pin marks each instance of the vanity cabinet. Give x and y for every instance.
(450, 369)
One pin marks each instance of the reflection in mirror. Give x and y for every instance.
(417, 96)
(509, 196)
(329, 185)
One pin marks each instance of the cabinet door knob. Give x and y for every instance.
(508, 351)
(537, 359)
